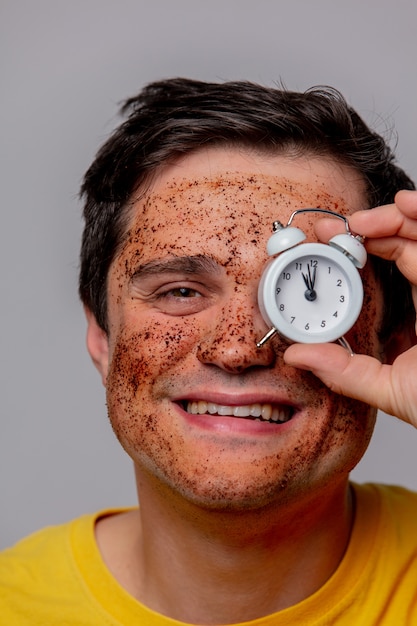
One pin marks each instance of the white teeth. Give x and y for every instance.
(275, 415)
(266, 411)
(256, 410)
(224, 410)
(259, 412)
(241, 411)
(278, 415)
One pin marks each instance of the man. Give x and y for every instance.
(242, 454)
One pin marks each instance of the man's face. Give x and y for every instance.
(191, 398)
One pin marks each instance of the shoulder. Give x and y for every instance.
(51, 545)
(41, 572)
(40, 558)
(390, 497)
(383, 549)
(40, 545)
(393, 509)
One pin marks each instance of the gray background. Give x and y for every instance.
(64, 66)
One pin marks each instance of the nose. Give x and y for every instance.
(230, 343)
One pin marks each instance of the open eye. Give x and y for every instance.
(183, 292)
(177, 286)
(181, 299)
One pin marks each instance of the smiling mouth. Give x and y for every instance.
(257, 412)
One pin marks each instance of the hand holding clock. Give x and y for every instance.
(391, 233)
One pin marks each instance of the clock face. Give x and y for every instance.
(311, 293)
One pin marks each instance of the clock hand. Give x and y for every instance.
(312, 279)
(309, 281)
(306, 280)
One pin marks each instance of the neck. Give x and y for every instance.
(211, 567)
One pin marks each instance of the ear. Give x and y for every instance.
(97, 345)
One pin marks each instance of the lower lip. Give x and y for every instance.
(225, 424)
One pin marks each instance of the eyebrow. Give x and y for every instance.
(198, 264)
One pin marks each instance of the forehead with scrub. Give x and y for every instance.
(204, 197)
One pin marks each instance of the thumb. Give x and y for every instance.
(357, 376)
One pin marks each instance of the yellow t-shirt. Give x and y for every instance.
(57, 577)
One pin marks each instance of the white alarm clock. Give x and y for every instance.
(311, 292)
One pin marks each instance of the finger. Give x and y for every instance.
(399, 218)
(384, 221)
(406, 200)
(381, 222)
(358, 376)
